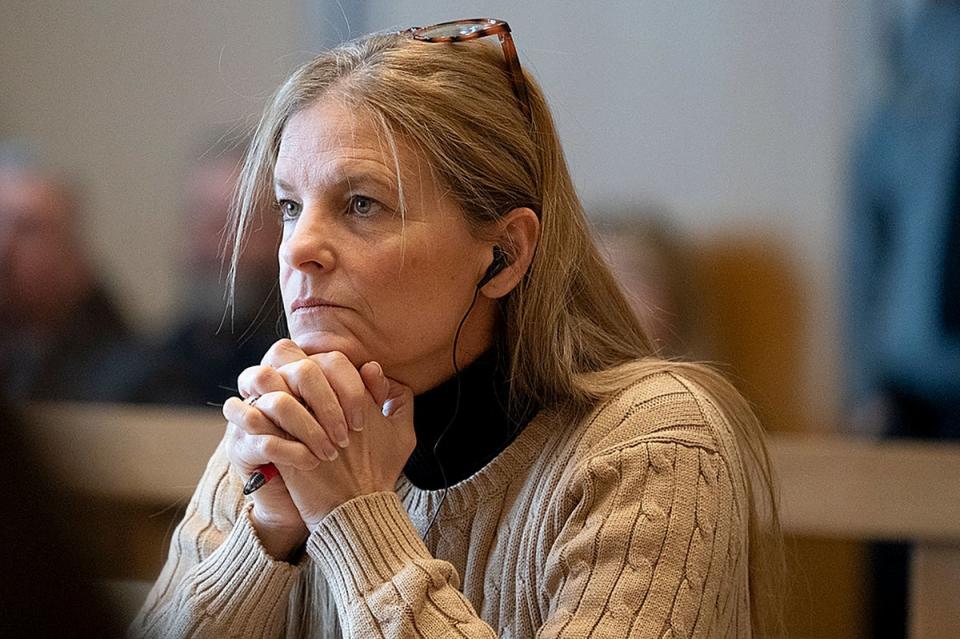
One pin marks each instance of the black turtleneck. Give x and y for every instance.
(481, 429)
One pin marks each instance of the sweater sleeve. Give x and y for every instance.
(649, 549)
(645, 551)
(218, 581)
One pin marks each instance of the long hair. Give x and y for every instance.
(568, 330)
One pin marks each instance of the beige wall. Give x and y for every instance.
(120, 94)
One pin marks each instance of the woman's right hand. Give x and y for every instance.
(252, 439)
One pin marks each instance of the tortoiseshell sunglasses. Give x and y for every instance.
(472, 29)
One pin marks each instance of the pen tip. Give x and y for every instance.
(256, 480)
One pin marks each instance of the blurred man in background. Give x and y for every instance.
(61, 336)
(904, 262)
(198, 363)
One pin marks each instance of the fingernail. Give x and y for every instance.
(332, 454)
(356, 420)
(379, 368)
(343, 441)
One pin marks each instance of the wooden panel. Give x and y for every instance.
(935, 592)
(844, 487)
(147, 454)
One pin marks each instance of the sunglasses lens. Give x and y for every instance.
(455, 29)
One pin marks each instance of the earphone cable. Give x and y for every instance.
(456, 410)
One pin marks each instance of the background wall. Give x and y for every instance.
(122, 95)
(733, 115)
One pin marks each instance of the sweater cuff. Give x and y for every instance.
(365, 542)
(241, 573)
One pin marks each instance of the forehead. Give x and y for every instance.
(328, 138)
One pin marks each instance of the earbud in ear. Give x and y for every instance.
(498, 264)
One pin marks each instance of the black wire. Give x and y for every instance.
(456, 410)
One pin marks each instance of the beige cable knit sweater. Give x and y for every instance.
(629, 523)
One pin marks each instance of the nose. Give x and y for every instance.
(308, 243)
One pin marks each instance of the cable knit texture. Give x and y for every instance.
(628, 522)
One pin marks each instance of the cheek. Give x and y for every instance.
(430, 276)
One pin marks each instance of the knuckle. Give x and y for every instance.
(271, 402)
(229, 410)
(301, 369)
(278, 349)
(248, 373)
(260, 376)
(332, 358)
(284, 401)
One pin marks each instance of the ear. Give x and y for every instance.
(518, 236)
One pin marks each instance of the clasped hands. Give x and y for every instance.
(334, 433)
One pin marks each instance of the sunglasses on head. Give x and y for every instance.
(473, 29)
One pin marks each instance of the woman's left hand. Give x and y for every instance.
(375, 456)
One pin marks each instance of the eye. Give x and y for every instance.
(362, 206)
(289, 210)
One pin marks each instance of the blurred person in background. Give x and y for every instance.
(198, 362)
(904, 240)
(61, 335)
(904, 261)
(649, 260)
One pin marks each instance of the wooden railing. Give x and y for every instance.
(150, 458)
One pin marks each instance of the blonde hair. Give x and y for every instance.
(568, 330)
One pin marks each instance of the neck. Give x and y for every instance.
(464, 423)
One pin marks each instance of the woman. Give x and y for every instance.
(471, 437)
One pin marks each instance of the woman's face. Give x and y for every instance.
(358, 277)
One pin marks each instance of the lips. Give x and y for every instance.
(313, 302)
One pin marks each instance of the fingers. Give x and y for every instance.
(248, 452)
(253, 440)
(375, 382)
(399, 398)
(282, 352)
(287, 413)
(251, 420)
(344, 379)
(310, 384)
(260, 380)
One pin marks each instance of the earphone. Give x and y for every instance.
(498, 264)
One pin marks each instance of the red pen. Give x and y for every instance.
(259, 478)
